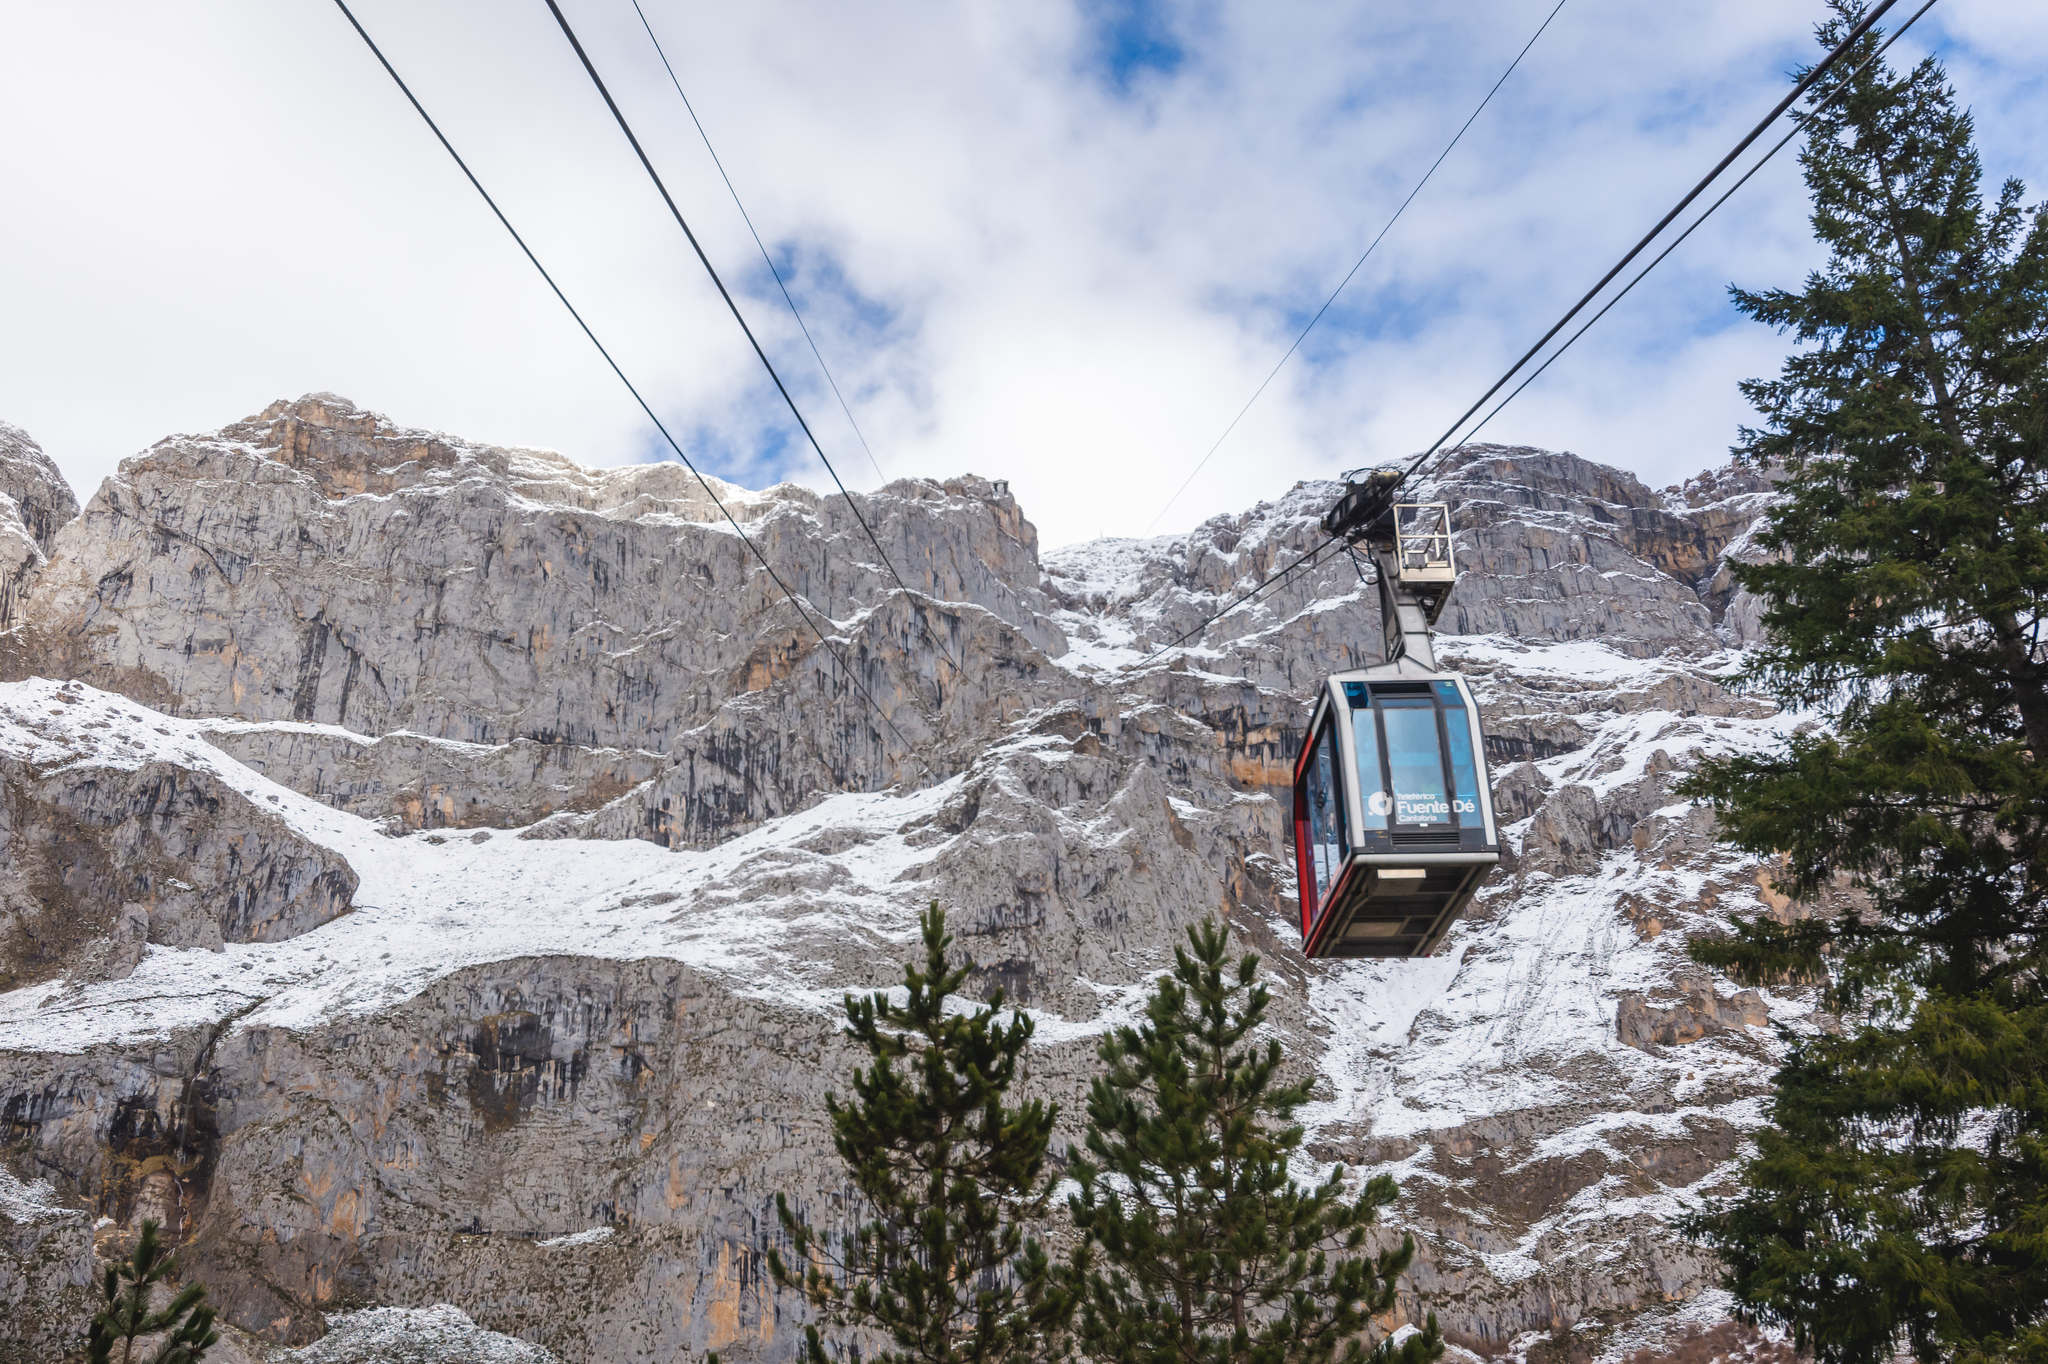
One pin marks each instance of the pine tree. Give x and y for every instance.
(951, 1175)
(1899, 1198)
(1199, 1247)
(185, 1322)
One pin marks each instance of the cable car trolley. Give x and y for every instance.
(1393, 817)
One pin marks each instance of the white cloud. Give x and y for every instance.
(208, 207)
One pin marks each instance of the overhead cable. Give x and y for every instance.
(619, 117)
(1356, 265)
(1834, 94)
(659, 425)
(1804, 84)
(766, 258)
(1257, 589)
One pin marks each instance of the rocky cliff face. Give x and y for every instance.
(613, 834)
(34, 501)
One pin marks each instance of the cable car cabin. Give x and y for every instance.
(1393, 821)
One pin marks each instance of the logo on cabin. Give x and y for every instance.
(1378, 804)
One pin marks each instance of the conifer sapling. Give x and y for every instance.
(185, 1323)
(949, 1174)
(1199, 1246)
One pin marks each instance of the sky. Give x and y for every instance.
(1057, 242)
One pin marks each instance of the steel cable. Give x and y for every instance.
(1804, 84)
(618, 116)
(645, 407)
(1705, 214)
(1356, 265)
(766, 259)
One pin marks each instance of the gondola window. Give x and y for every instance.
(1458, 744)
(1325, 823)
(1375, 802)
(1415, 761)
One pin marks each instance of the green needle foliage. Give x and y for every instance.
(185, 1322)
(1900, 1197)
(1199, 1246)
(950, 1174)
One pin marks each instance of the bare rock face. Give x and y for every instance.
(415, 782)
(344, 571)
(34, 501)
(767, 753)
(1551, 549)
(48, 1283)
(618, 834)
(1604, 558)
(107, 844)
(1568, 833)
(1728, 502)
(1698, 1013)
(1519, 791)
(593, 1143)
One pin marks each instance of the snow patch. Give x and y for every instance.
(595, 1236)
(412, 1335)
(24, 1202)
(428, 906)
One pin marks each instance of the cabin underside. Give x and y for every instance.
(1393, 911)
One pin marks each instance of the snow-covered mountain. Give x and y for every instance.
(431, 872)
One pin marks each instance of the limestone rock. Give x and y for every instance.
(1550, 547)
(411, 1335)
(34, 501)
(415, 782)
(43, 501)
(1559, 548)
(1519, 791)
(106, 847)
(341, 570)
(1729, 503)
(1698, 1013)
(554, 1079)
(47, 1277)
(1569, 834)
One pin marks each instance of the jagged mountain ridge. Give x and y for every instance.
(622, 836)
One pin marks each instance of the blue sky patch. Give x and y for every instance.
(1129, 40)
(817, 279)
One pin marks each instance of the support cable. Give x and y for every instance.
(619, 117)
(1257, 589)
(1804, 84)
(631, 388)
(1358, 565)
(1726, 195)
(767, 259)
(1356, 265)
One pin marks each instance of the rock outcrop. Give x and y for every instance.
(619, 833)
(47, 1274)
(1698, 1012)
(347, 572)
(111, 840)
(415, 782)
(34, 501)
(426, 1335)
